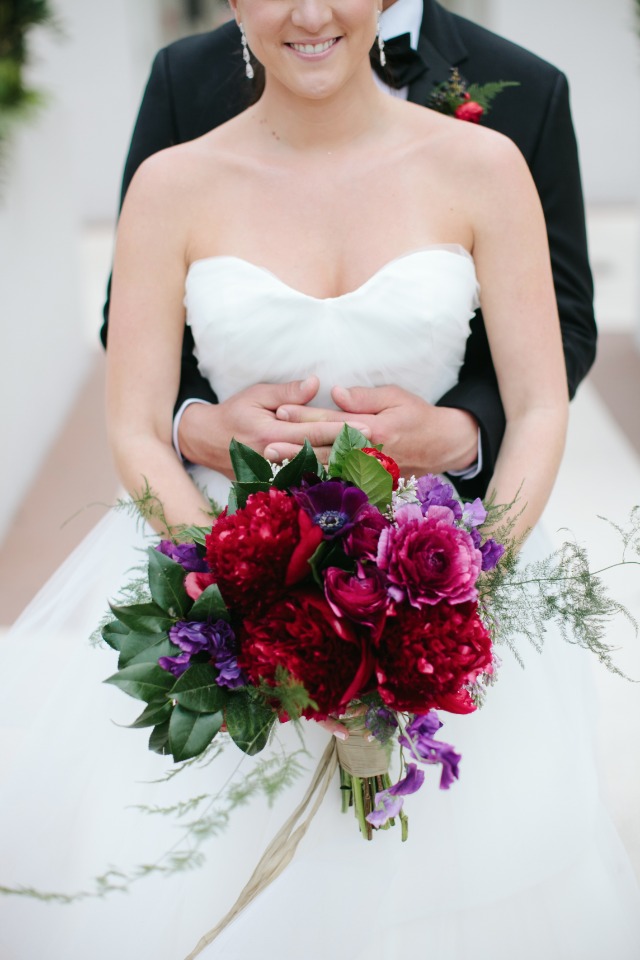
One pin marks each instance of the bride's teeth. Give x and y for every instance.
(313, 47)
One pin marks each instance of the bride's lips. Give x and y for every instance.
(317, 49)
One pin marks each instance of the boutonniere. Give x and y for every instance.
(456, 99)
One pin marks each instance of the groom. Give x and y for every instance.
(199, 82)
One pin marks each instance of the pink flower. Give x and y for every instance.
(197, 583)
(428, 559)
(362, 540)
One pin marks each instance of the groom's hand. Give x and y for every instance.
(421, 437)
(206, 430)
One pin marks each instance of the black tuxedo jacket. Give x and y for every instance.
(198, 83)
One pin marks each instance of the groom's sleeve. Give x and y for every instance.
(156, 129)
(555, 168)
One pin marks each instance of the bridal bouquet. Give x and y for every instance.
(326, 593)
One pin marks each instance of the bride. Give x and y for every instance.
(299, 255)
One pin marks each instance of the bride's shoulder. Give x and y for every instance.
(461, 148)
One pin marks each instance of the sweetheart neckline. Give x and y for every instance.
(453, 249)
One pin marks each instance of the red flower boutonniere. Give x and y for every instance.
(454, 98)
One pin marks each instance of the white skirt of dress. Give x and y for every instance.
(517, 860)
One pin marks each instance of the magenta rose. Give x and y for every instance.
(362, 540)
(428, 559)
(361, 597)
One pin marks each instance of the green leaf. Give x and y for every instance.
(243, 491)
(166, 583)
(347, 440)
(197, 689)
(151, 654)
(144, 617)
(191, 733)
(368, 474)
(249, 721)
(154, 713)
(485, 93)
(144, 681)
(305, 461)
(209, 606)
(248, 465)
(115, 633)
(232, 502)
(135, 643)
(159, 739)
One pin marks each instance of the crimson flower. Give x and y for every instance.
(320, 650)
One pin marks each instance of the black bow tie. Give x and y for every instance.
(404, 64)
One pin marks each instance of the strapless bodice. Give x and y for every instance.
(407, 325)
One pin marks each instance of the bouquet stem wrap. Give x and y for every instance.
(280, 851)
(361, 757)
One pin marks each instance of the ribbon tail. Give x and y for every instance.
(282, 848)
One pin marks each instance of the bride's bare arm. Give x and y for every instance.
(145, 338)
(521, 318)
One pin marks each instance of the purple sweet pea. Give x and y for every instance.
(474, 514)
(389, 802)
(333, 505)
(186, 554)
(217, 639)
(175, 665)
(491, 552)
(420, 741)
(432, 491)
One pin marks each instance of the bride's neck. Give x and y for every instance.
(323, 124)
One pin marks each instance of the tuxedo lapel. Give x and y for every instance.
(440, 46)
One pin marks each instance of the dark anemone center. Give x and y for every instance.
(331, 520)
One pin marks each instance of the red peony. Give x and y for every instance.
(320, 650)
(257, 552)
(469, 110)
(387, 462)
(425, 657)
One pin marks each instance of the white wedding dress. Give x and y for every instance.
(517, 860)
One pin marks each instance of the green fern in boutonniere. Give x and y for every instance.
(454, 98)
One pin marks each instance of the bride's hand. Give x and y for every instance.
(421, 437)
(206, 430)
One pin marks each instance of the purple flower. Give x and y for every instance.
(389, 802)
(361, 596)
(333, 505)
(491, 552)
(474, 513)
(420, 741)
(432, 491)
(216, 639)
(428, 559)
(186, 554)
(175, 665)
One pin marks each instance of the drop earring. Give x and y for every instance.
(248, 69)
(383, 59)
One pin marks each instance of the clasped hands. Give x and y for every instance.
(275, 419)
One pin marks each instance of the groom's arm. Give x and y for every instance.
(556, 172)
(155, 130)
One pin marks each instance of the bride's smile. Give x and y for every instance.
(310, 47)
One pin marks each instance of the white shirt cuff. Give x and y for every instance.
(176, 424)
(470, 472)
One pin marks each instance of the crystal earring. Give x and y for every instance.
(383, 59)
(248, 69)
